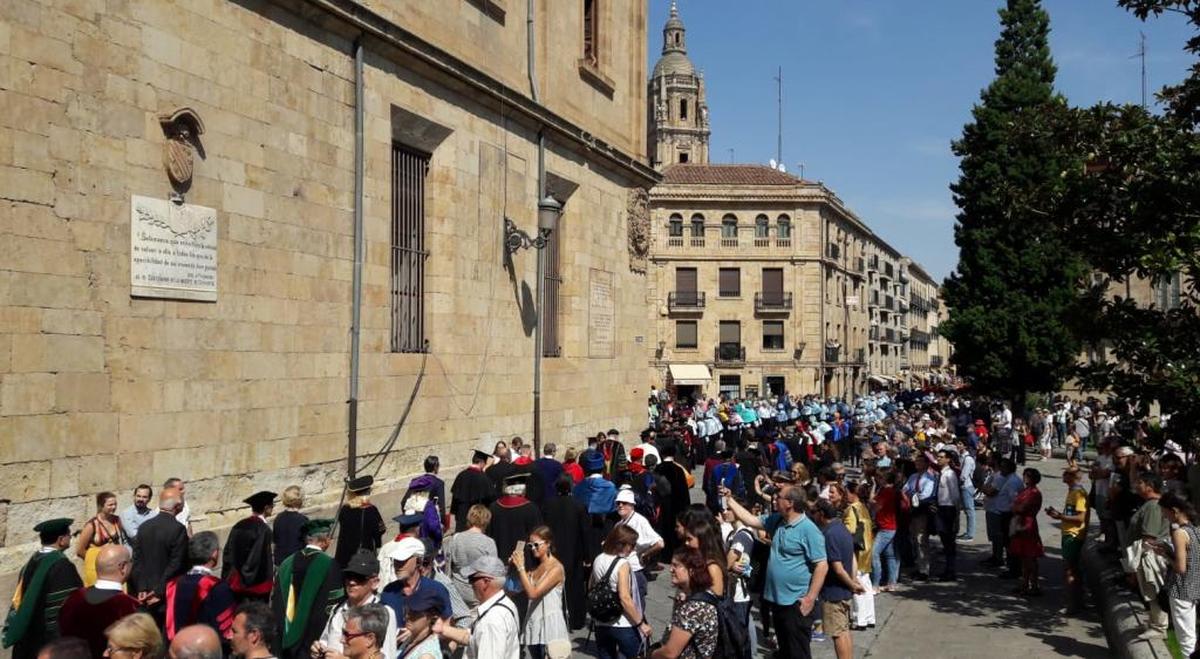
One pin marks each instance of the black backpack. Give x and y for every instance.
(603, 603)
(733, 641)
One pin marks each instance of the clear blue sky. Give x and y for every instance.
(873, 92)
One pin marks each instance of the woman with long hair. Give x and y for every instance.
(693, 631)
(1026, 543)
(545, 627)
(626, 635)
(1183, 579)
(104, 528)
(701, 532)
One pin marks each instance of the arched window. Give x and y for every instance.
(697, 226)
(785, 227)
(729, 226)
(675, 225)
(762, 226)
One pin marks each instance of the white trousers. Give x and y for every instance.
(864, 604)
(1183, 619)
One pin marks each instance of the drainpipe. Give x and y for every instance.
(356, 306)
(531, 58)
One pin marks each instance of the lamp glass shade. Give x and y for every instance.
(549, 209)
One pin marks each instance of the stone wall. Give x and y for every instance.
(101, 391)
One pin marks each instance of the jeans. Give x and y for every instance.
(997, 533)
(742, 610)
(883, 551)
(793, 631)
(968, 502)
(642, 584)
(614, 642)
(536, 651)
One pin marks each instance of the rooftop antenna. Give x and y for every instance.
(731, 154)
(1141, 54)
(779, 105)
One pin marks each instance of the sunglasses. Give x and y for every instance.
(477, 577)
(350, 636)
(535, 545)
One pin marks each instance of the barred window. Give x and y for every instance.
(409, 168)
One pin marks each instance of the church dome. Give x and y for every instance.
(674, 63)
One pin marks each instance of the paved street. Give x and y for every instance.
(977, 616)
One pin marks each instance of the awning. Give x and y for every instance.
(878, 379)
(690, 374)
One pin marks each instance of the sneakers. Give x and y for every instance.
(819, 637)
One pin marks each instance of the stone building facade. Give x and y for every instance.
(102, 390)
(922, 319)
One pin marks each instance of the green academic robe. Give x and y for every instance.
(308, 586)
(45, 583)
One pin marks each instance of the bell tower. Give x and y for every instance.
(678, 112)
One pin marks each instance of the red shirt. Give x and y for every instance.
(886, 503)
(574, 470)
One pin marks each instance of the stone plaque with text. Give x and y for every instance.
(601, 314)
(172, 250)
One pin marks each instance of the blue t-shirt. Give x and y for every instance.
(839, 546)
(394, 598)
(795, 549)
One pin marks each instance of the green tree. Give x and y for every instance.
(1015, 289)
(1134, 212)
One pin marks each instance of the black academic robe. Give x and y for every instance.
(246, 563)
(287, 533)
(535, 488)
(567, 519)
(62, 579)
(678, 502)
(359, 527)
(470, 487)
(498, 472)
(199, 598)
(513, 517)
(315, 609)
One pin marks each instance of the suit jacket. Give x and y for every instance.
(159, 553)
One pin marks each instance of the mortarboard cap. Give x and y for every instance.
(361, 483)
(260, 500)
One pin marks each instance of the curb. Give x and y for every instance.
(1122, 612)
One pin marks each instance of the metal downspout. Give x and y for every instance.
(356, 305)
(531, 57)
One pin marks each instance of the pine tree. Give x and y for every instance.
(1013, 294)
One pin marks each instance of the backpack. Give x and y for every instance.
(645, 500)
(603, 603)
(782, 457)
(733, 641)
(727, 474)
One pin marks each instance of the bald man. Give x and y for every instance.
(159, 552)
(87, 612)
(196, 642)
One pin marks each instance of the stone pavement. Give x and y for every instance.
(977, 616)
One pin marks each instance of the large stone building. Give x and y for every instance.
(760, 281)
(221, 353)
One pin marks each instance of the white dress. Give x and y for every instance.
(545, 621)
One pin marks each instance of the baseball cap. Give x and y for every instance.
(362, 563)
(489, 566)
(406, 548)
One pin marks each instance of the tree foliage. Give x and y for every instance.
(1016, 285)
(1134, 211)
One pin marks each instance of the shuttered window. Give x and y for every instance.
(409, 168)
(685, 334)
(730, 282)
(731, 331)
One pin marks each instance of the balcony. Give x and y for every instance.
(772, 302)
(903, 276)
(903, 305)
(889, 270)
(889, 303)
(873, 334)
(832, 354)
(834, 252)
(874, 299)
(729, 354)
(860, 265)
(918, 338)
(685, 301)
(860, 355)
(873, 264)
(935, 361)
(889, 335)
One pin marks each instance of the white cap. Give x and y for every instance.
(406, 548)
(625, 495)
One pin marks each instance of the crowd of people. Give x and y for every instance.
(811, 508)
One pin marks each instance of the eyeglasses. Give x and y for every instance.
(477, 577)
(535, 545)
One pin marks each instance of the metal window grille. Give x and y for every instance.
(553, 283)
(590, 29)
(409, 168)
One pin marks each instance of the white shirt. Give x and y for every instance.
(332, 636)
(649, 449)
(1007, 489)
(968, 469)
(1006, 419)
(948, 493)
(495, 633)
(184, 516)
(105, 584)
(647, 537)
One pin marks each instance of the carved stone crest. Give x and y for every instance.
(183, 129)
(638, 212)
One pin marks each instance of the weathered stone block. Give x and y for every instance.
(26, 393)
(82, 392)
(55, 352)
